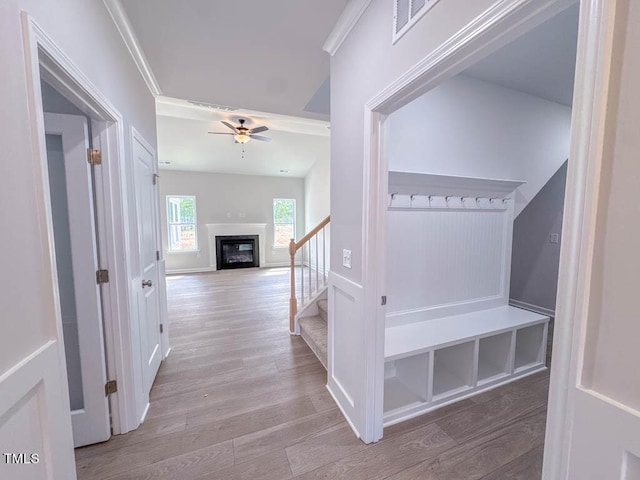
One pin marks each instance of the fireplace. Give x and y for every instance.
(237, 251)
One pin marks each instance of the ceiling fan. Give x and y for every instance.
(242, 134)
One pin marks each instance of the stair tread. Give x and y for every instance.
(314, 332)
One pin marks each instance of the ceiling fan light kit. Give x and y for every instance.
(242, 134)
(241, 138)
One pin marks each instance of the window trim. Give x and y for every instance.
(273, 217)
(170, 224)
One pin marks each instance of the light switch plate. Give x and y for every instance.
(554, 238)
(346, 258)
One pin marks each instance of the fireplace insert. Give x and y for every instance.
(237, 251)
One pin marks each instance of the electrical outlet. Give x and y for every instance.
(346, 258)
(554, 238)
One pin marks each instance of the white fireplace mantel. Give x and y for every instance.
(214, 229)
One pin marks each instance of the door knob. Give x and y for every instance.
(147, 283)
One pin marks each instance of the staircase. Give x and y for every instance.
(313, 330)
(309, 280)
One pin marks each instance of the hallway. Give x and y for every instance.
(239, 398)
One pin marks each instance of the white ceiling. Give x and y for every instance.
(297, 143)
(256, 54)
(541, 62)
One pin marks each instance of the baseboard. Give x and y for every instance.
(533, 308)
(181, 271)
(341, 408)
(143, 417)
(276, 264)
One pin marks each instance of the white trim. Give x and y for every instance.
(346, 417)
(169, 223)
(42, 377)
(532, 308)
(123, 24)
(591, 91)
(278, 264)
(144, 412)
(488, 29)
(44, 57)
(346, 21)
(498, 25)
(222, 229)
(611, 402)
(182, 271)
(338, 283)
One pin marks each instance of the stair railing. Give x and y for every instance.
(310, 250)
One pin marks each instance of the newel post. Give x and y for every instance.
(293, 302)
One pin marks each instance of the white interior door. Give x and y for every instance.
(148, 293)
(74, 228)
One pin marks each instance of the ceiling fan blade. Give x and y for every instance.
(260, 138)
(227, 124)
(221, 133)
(259, 129)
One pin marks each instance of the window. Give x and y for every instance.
(181, 219)
(284, 221)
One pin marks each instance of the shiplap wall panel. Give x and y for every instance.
(439, 257)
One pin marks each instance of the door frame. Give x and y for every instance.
(496, 27)
(45, 60)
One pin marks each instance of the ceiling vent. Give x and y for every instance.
(213, 106)
(406, 13)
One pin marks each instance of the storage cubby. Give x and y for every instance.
(529, 346)
(494, 357)
(406, 382)
(452, 369)
(449, 329)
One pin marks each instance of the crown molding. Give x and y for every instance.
(347, 20)
(123, 24)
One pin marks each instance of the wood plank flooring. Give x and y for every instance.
(239, 398)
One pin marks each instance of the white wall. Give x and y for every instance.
(472, 128)
(85, 32)
(317, 208)
(364, 65)
(227, 198)
(316, 193)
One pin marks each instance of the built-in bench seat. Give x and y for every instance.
(434, 362)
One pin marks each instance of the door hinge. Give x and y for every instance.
(158, 255)
(102, 276)
(155, 178)
(384, 300)
(110, 387)
(161, 328)
(95, 156)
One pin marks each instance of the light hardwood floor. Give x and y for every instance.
(239, 398)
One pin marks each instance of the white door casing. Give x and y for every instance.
(593, 426)
(91, 422)
(147, 278)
